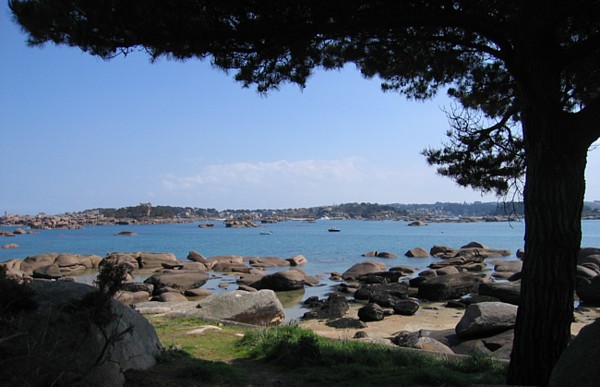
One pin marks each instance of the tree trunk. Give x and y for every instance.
(554, 192)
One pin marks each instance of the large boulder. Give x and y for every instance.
(577, 365)
(588, 290)
(359, 269)
(74, 263)
(180, 280)
(71, 347)
(371, 312)
(417, 252)
(34, 262)
(155, 260)
(292, 279)
(256, 308)
(333, 307)
(446, 287)
(486, 319)
(509, 292)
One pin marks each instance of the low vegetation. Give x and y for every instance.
(295, 356)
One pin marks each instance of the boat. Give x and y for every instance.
(334, 229)
(266, 232)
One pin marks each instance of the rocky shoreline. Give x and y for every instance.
(366, 297)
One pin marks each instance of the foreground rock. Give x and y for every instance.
(256, 308)
(577, 366)
(486, 319)
(69, 346)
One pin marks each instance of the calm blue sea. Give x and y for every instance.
(325, 251)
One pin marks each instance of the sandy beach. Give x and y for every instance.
(430, 316)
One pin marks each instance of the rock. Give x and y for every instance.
(589, 259)
(417, 223)
(346, 323)
(132, 298)
(19, 231)
(371, 312)
(447, 270)
(449, 286)
(47, 272)
(36, 261)
(431, 345)
(198, 292)
(137, 287)
(292, 279)
(196, 257)
(406, 307)
(361, 334)
(256, 308)
(442, 252)
(297, 260)
(247, 288)
(155, 260)
(10, 246)
(509, 292)
(577, 366)
(486, 319)
(171, 297)
(126, 233)
(383, 277)
(585, 252)
(512, 266)
(386, 254)
(333, 307)
(68, 346)
(130, 259)
(362, 268)
(417, 252)
(370, 291)
(415, 340)
(520, 253)
(587, 271)
(588, 290)
(266, 262)
(180, 280)
(404, 270)
(475, 245)
(72, 263)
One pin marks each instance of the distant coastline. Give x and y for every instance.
(418, 214)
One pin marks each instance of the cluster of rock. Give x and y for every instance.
(459, 278)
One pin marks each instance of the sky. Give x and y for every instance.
(79, 133)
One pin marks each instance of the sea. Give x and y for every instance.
(325, 251)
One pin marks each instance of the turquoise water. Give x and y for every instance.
(325, 251)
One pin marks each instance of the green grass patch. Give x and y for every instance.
(214, 345)
(337, 362)
(298, 356)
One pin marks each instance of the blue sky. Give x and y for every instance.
(78, 132)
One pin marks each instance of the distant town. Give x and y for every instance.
(146, 213)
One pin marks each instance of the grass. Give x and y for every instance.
(294, 356)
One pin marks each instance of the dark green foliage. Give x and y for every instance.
(95, 307)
